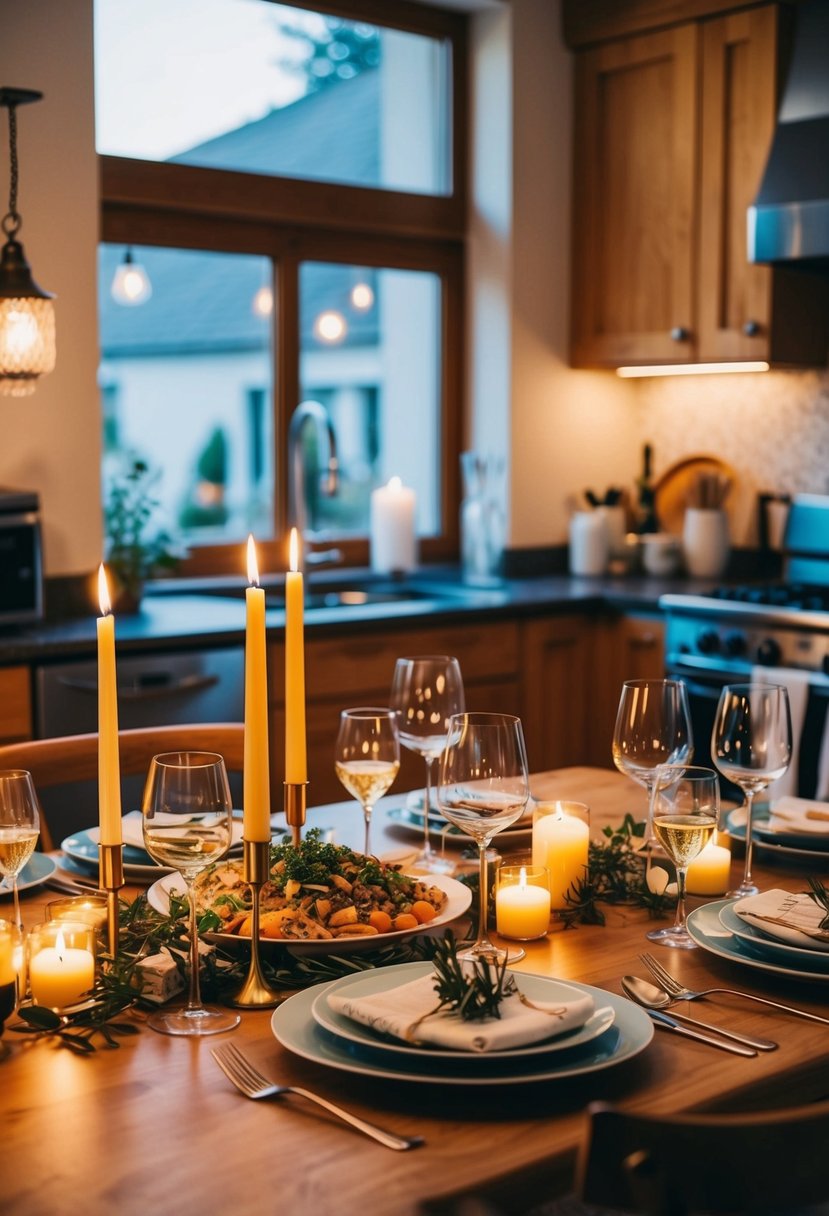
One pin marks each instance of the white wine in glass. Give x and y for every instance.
(19, 827)
(686, 811)
(751, 745)
(187, 818)
(426, 691)
(367, 757)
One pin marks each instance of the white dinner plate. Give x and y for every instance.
(37, 869)
(735, 823)
(771, 948)
(708, 931)
(536, 987)
(82, 847)
(458, 899)
(411, 820)
(294, 1027)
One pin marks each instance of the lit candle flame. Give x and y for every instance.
(253, 566)
(60, 944)
(522, 877)
(103, 591)
(294, 550)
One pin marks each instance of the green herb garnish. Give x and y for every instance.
(473, 991)
(820, 895)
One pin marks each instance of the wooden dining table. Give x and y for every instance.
(155, 1126)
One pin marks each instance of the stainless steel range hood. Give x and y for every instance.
(789, 221)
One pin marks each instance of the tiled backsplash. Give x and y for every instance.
(772, 428)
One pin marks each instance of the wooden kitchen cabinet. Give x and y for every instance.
(557, 690)
(630, 647)
(15, 704)
(672, 133)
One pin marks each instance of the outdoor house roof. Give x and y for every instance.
(336, 130)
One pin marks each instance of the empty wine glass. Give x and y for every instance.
(426, 691)
(484, 787)
(685, 810)
(19, 827)
(187, 811)
(653, 727)
(751, 745)
(367, 756)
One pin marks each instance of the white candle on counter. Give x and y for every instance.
(522, 909)
(560, 843)
(392, 527)
(710, 872)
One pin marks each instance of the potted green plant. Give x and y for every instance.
(136, 547)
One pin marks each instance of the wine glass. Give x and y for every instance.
(653, 727)
(186, 811)
(751, 745)
(685, 811)
(426, 691)
(19, 827)
(484, 787)
(367, 756)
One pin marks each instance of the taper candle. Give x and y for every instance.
(256, 798)
(109, 771)
(296, 760)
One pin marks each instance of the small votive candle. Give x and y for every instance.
(522, 902)
(710, 872)
(88, 909)
(561, 838)
(11, 965)
(61, 963)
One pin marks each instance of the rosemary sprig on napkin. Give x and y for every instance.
(473, 991)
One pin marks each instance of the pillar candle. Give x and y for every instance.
(109, 773)
(522, 910)
(392, 527)
(61, 975)
(560, 842)
(296, 761)
(710, 872)
(256, 797)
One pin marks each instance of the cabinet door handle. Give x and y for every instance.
(146, 688)
(751, 329)
(680, 333)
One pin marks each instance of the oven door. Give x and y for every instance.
(704, 687)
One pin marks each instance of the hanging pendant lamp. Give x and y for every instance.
(27, 315)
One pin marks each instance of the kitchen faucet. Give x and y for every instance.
(314, 413)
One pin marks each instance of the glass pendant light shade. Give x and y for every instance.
(27, 315)
(131, 284)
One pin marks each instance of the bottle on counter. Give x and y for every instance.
(646, 517)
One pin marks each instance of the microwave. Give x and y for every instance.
(21, 558)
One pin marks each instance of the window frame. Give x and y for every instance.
(293, 220)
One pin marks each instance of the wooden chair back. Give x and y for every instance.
(72, 758)
(718, 1164)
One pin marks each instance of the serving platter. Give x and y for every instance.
(771, 948)
(367, 983)
(458, 899)
(293, 1026)
(708, 931)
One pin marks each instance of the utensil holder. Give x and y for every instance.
(705, 542)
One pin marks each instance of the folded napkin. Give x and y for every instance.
(790, 918)
(405, 1013)
(132, 831)
(800, 815)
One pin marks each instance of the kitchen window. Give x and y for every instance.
(303, 244)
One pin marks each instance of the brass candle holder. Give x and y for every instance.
(294, 804)
(111, 879)
(256, 992)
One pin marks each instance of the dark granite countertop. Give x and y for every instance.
(182, 616)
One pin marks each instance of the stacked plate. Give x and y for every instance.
(309, 1026)
(718, 928)
(789, 829)
(410, 818)
(82, 849)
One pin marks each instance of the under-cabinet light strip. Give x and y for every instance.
(691, 369)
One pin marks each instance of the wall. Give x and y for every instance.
(51, 440)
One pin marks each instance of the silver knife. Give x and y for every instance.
(663, 1019)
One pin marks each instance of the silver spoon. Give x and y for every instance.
(651, 997)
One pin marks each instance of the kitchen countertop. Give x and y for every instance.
(187, 618)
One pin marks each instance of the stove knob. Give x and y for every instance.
(708, 641)
(734, 644)
(768, 652)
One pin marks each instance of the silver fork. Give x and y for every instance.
(238, 1069)
(680, 993)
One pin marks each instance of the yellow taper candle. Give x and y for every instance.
(296, 760)
(109, 770)
(257, 824)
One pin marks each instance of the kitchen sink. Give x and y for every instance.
(359, 591)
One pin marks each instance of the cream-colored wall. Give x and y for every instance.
(50, 442)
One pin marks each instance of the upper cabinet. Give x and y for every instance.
(672, 131)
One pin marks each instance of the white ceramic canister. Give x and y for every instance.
(589, 543)
(705, 541)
